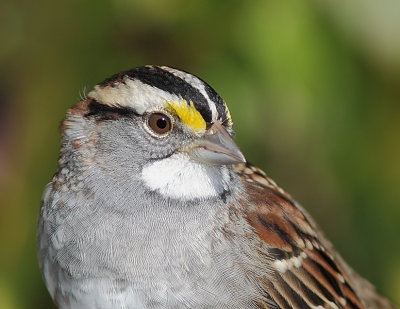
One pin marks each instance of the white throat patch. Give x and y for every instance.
(180, 177)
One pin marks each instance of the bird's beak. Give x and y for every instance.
(216, 147)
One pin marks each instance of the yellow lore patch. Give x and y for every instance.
(187, 113)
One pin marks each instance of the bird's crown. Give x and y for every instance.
(149, 87)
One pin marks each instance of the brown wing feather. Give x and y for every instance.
(305, 274)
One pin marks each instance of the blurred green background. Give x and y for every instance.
(313, 87)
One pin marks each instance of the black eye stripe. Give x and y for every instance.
(104, 112)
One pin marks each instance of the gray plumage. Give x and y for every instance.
(142, 216)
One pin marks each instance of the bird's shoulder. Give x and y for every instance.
(301, 268)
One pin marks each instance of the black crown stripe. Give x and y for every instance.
(167, 81)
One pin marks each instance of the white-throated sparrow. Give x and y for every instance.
(154, 206)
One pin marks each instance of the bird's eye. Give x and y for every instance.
(159, 123)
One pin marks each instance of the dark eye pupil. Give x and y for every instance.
(159, 123)
(162, 123)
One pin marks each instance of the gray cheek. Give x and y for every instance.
(127, 142)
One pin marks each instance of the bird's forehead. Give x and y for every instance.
(152, 87)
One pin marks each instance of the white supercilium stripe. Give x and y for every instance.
(199, 85)
(132, 93)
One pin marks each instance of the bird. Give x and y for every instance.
(154, 205)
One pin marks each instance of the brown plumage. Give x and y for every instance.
(148, 210)
(306, 272)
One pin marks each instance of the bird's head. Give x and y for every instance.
(166, 124)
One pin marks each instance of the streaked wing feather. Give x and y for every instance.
(306, 274)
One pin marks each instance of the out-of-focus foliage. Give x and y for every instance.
(313, 86)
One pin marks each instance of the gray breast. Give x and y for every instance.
(135, 254)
